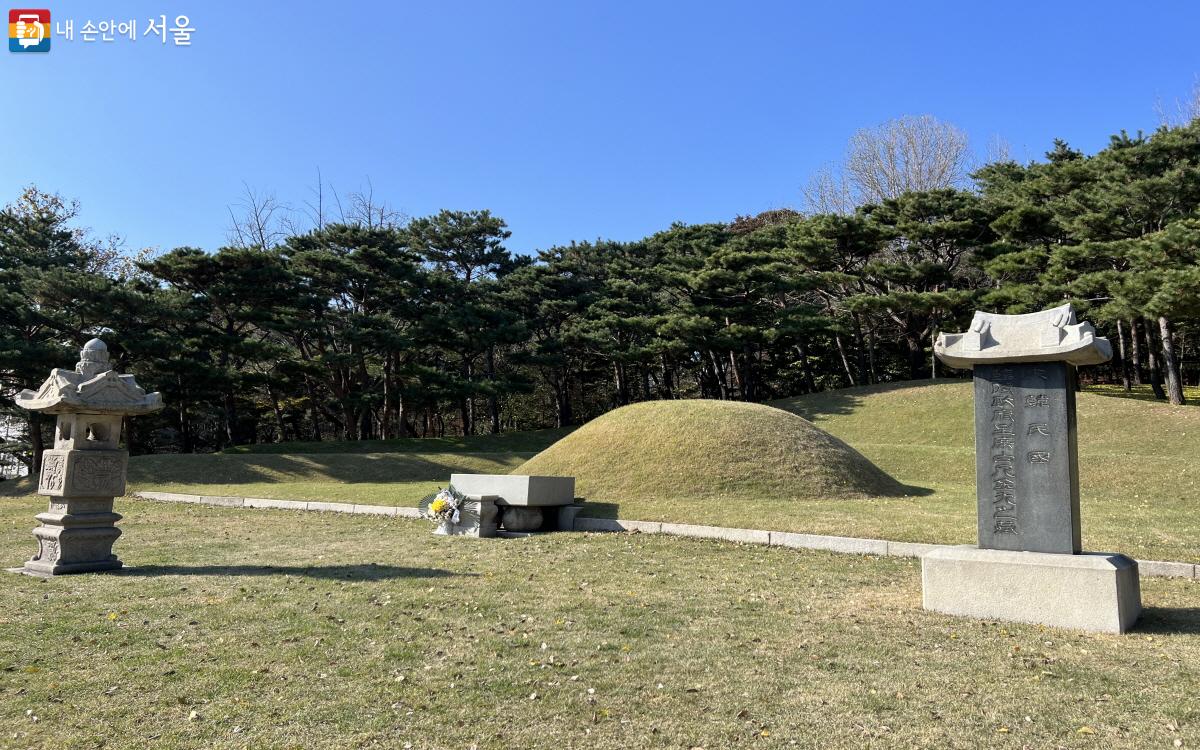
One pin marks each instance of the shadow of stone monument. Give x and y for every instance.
(1170, 620)
(367, 572)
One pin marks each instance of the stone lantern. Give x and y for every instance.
(1029, 564)
(85, 469)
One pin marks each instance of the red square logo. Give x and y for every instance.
(29, 30)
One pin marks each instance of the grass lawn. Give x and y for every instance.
(276, 629)
(1141, 392)
(1138, 472)
(528, 442)
(368, 478)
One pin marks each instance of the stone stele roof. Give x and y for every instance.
(93, 387)
(1048, 336)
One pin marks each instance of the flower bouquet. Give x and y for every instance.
(445, 508)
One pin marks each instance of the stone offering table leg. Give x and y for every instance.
(521, 518)
(566, 517)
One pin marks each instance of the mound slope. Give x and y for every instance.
(709, 449)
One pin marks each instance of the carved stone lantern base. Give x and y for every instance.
(76, 536)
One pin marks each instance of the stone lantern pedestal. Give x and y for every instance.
(1029, 565)
(85, 470)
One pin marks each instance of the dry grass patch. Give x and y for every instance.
(277, 629)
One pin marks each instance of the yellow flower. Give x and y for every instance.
(439, 505)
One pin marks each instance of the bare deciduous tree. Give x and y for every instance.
(908, 153)
(829, 192)
(998, 150)
(366, 211)
(257, 220)
(1183, 111)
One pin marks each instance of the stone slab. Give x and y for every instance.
(331, 507)
(266, 502)
(518, 489)
(1161, 569)
(402, 512)
(615, 524)
(745, 536)
(909, 549)
(168, 497)
(1095, 592)
(847, 544)
(221, 500)
(375, 510)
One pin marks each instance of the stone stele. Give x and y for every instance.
(85, 469)
(1028, 565)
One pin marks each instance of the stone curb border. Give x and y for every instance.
(843, 544)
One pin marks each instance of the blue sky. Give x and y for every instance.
(571, 120)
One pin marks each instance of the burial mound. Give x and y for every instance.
(709, 449)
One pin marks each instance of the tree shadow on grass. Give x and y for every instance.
(368, 572)
(1169, 621)
(846, 400)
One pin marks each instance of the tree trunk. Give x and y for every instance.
(1152, 361)
(278, 414)
(386, 430)
(871, 356)
(1125, 380)
(668, 380)
(1135, 346)
(718, 375)
(916, 355)
(933, 355)
(562, 400)
(860, 362)
(837, 337)
(810, 385)
(493, 399)
(1170, 365)
(230, 418)
(402, 428)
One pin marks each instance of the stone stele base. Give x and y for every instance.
(1093, 591)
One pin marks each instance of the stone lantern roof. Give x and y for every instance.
(1048, 336)
(93, 387)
